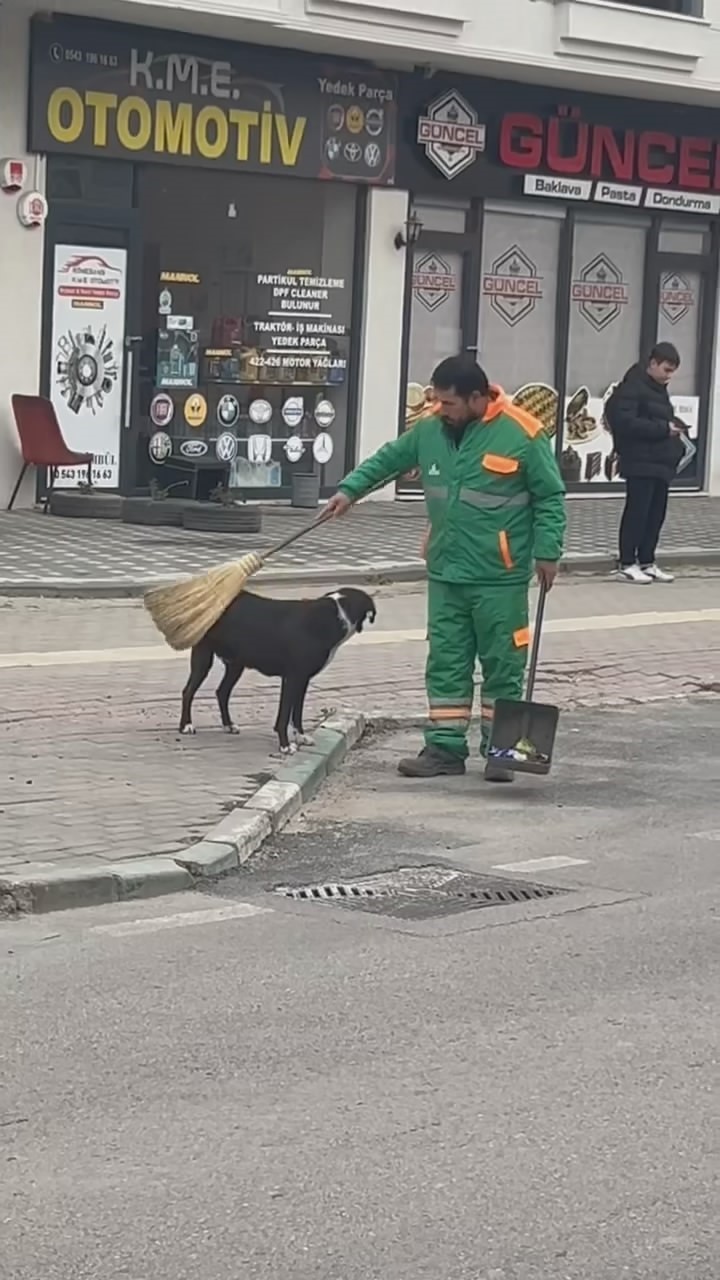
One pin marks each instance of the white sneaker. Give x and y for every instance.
(655, 574)
(633, 573)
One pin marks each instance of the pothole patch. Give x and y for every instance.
(421, 892)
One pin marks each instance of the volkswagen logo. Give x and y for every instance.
(226, 447)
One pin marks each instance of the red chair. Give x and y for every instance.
(42, 444)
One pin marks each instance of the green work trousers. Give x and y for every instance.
(467, 623)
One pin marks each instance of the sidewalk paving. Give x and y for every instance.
(93, 770)
(55, 555)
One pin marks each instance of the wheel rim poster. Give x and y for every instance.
(88, 328)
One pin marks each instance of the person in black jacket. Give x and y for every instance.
(646, 436)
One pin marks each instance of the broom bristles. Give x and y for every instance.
(185, 611)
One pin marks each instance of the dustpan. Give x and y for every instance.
(523, 733)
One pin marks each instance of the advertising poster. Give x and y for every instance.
(88, 332)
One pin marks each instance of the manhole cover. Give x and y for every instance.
(420, 892)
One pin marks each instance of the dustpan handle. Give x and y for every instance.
(535, 650)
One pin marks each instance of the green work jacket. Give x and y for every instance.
(496, 501)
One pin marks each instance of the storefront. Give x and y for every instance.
(562, 235)
(203, 252)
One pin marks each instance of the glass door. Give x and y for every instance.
(440, 307)
(605, 331)
(682, 272)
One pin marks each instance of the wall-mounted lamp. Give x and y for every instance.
(412, 232)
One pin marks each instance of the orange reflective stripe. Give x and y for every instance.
(530, 425)
(449, 713)
(499, 465)
(498, 404)
(521, 638)
(487, 713)
(505, 554)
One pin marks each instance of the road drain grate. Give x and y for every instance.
(420, 892)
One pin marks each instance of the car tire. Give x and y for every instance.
(213, 517)
(85, 506)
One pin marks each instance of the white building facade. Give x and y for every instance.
(224, 274)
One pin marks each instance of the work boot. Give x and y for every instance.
(432, 763)
(495, 773)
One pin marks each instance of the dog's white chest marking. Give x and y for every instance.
(345, 623)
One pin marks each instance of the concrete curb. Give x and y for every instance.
(379, 573)
(225, 848)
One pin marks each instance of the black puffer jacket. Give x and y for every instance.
(639, 413)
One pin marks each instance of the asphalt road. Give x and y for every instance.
(236, 1086)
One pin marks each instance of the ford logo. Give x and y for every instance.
(193, 448)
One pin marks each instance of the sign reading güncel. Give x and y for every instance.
(102, 89)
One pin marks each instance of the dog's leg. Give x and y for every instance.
(300, 737)
(201, 659)
(233, 673)
(287, 696)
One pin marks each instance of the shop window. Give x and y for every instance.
(606, 306)
(520, 258)
(678, 237)
(442, 215)
(80, 180)
(247, 304)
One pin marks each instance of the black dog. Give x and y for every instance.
(292, 639)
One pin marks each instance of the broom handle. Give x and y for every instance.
(315, 524)
(535, 650)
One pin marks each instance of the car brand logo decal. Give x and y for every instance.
(226, 447)
(162, 410)
(159, 446)
(193, 448)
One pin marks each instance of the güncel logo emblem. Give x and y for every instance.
(512, 285)
(600, 292)
(433, 281)
(451, 134)
(676, 297)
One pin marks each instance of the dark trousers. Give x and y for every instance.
(644, 516)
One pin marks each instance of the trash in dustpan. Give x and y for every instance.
(523, 733)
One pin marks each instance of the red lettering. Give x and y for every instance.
(648, 170)
(606, 152)
(521, 141)
(557, 161)
(694, 169)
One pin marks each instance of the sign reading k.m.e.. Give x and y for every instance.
(101, 89)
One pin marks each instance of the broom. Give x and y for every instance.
(185, 611)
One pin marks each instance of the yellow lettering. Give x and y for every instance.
(290, 145)
(173, 132)
(266, 134)
(215, 120)
(134, 138)
(101, 104)
(64, 103)
(245, 121)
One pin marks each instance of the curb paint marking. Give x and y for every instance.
(541, 864)
(159, 653)
(181, 920)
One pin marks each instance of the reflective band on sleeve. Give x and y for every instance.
(487, 713)
(436, 493)
(493, 500)
(521, 638)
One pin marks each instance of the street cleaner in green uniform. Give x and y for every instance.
(496, 503)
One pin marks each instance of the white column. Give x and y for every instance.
(712, 477)
(381, 351)
(21, 251)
